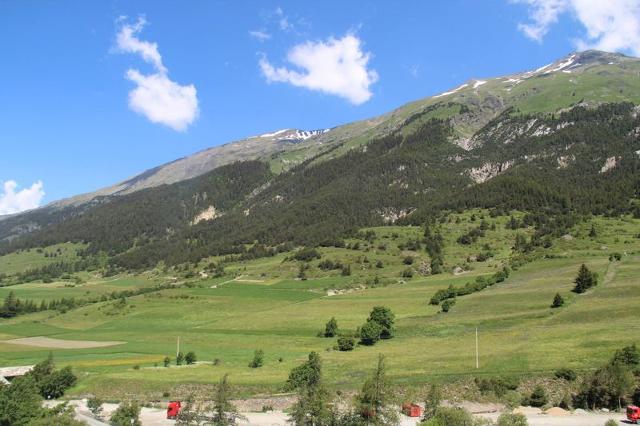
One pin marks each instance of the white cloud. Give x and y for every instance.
(336, 66)
(25, 199)
(283, 20)
(611, 25)
(156, 96)
(260, 35)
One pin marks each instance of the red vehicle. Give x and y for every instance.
(173, 409)
(412, 410)
(633, 414)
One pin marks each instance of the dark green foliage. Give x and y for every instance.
(497, 385)
(509, 419)
(379, 264)
(566, 374)
(480, 283)
(127, 414)
(370, 333)
(20, 402)
(447, 305)
(331, 329)
(94, 404)
(592, 232)
(258, 359)
(407, 273)
(615, 257)
(408, 260)
(55, 384)
(446, 416)
(311, 407)
(224, 412)
(538, 397)
(346, 271)
(607, 387)
(179, 358)
(166, 361)
(375, 399)
(628, 356)
(385, 318)
(432, 402)
(346, 344)
(558, 301)
(585, 280)
(307, 254)
(190, 358)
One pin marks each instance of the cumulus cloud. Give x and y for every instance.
(156, 96)
(612, 25)
(25, 199)
(336, 66)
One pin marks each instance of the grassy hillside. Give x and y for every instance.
(259, 304)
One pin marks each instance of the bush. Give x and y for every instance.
(408, 260)
(497, 385)
(258, 359)
(449, 416)
(190, 358)
(628, 356)
(507, 419)
(127, 414)
(94, 404)
(607, 387)
(407, 273)
(385, 318)
(370, 333)
(306, 254)
(166, 361)
(55, 384)
(567, 374)
(448, 304)
(558, 301)
(346, 344)
(179, 358)
(538, 397)
(611, 422)
(331, 328)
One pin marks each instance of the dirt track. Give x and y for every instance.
(47, 342)
(157, 417)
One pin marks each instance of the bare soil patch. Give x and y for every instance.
(47, 342)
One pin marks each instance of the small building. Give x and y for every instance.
(7, 374)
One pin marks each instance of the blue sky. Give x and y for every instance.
(81, 79)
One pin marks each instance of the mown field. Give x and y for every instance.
(260, 304)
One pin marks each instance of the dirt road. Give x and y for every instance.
(157, 417)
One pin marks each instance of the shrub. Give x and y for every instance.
(94, 404)
(628, 356)
(55, 384)
(379, 264)
(607, 387)
(611, 422)
(408, 260)
(538, 397)
(190, 358)
(558, 301)
(448, 304)
(507, 419)
(566, 373)
(127, 414)
(370, 333)
(258, 359)
(615, 257)
(179, 358)
(331, 329)
(346, 344)
(166, 361)
(385, 318)
(407, 273)
(306, 254)
(497, 385)
(448, 416)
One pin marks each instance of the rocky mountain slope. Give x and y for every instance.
(557, 125)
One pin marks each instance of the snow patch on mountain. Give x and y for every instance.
(478, 83)
(270, 135)
(452, 91)
(609, 164)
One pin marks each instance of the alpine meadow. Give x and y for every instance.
(474, 255)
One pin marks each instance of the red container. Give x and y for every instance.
(411, 409)
(633, 414)
(173, 409)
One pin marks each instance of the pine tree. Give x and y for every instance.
(331, 329)
(585, 280)
(592, 232)
(558, 301)
(224, 412)
(375, 398)
(312, 407)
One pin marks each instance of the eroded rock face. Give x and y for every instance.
(609, 164)
(209, 213)
(391, 215)
(488, 170)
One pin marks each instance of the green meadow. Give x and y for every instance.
(260, 304)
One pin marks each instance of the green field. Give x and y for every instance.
(260, 304)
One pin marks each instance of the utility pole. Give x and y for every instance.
(477, 359)
(178, 348)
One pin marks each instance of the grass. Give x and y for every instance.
(261, 305)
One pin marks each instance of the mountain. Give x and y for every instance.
(525, 141)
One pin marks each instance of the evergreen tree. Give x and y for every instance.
(592, 232)
(127, 414)
(224, 412)
(179, 358)
(258, 359)
(10, 306)
(375, 399)
(558, 301)
(585, 280)
(331, 329)
(370, 333)
(432, 402)
(312, 408)
(385, 318)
